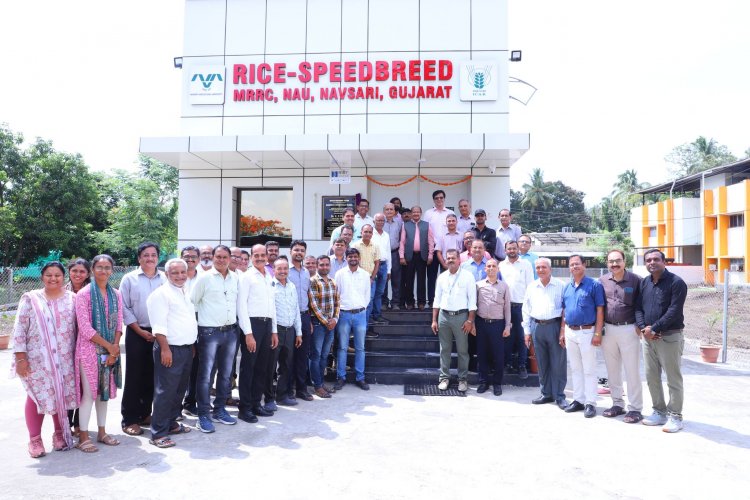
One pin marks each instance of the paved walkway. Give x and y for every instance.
(381, 444)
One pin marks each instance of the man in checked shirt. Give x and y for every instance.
(324, 305)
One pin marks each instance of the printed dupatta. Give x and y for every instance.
(48, 330)
(104, 322)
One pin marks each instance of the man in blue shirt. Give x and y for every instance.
(583, 318)
(524, 251)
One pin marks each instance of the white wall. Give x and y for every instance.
(688, 227)
(292, 31)
(736, 242)
(736, 198)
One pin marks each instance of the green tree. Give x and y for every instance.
(535, 196)
(697, 156)
(609, 216)
(141, 206)
(564, 209)
(609, 240)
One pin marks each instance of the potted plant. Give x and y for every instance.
(710, 349)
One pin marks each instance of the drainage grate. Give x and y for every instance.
(431, 390)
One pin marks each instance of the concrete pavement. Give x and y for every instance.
(381, 444)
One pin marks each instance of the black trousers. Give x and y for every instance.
(170, 384)
(432, 273)
(490, 345)
(283, 355)
(254, 365)
(302, 355)
(415, 268)
(138, 394)
(394, 298)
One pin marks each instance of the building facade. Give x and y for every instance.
(708, 231)
(292, 109)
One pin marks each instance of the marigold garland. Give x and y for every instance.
(410, 179)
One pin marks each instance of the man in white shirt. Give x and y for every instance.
(381, 238)
(436, 217)
(362, 216)
(207, 258)
(354, 292)
(517, 273)
(542, 322)
(175, 328)
(453, 318)
(215, 299)
(256, 310)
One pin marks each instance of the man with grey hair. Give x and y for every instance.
(207, 258)
(393, 226)
(465, 220)
(173, 323)
(542, 322)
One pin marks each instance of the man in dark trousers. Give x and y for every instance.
(415, 253)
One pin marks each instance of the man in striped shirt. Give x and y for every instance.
(324, 305)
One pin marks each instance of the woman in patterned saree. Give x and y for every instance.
(44, 337)
(97, 360)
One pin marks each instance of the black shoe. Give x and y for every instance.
(247, 417)
(372, 334)
(522, 373)
(542, 400)
(191, 410)
(363, 385)
(590, 411)
(573, 407)
(304, 395)
(482, 388)
(497, 390)
(340, 383)
(562, 404)
(259, 411)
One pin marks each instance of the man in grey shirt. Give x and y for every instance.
(135, 287)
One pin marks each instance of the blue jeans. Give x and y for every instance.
(215, 346)
(357, 324)
(322, 338)
(377, 288)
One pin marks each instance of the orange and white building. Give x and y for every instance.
(707, 230)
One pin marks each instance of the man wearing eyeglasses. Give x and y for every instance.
(621, 342)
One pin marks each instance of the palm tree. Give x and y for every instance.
(536, 196)
(627, 184)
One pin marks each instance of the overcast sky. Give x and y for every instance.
(620, 83)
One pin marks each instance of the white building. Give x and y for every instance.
(288, 102)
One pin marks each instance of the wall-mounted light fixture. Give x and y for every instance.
(515, 55)
(178, 62)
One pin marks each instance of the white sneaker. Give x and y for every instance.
(463, 386)
(674, 424)
(655, 418)
(443, 385)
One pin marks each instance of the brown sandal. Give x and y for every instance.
(87, 447)
(132, 430)
(108, 440)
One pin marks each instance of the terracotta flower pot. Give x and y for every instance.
(710, 353)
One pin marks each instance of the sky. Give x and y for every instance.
(619, 83)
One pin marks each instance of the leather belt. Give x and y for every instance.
(260, 318)
(305, 311)
(181, 346)
(354, 311)
(545, 321)
(580, 327)
(221, 328)
(490, 320)
(620, 324)
(516, 304)
(282, 327)
(455, 313)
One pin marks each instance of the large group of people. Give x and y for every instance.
(185, 326)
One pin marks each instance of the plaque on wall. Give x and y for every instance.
(333, 212)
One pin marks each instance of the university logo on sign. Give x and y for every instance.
(479, 81)
(206, 85)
